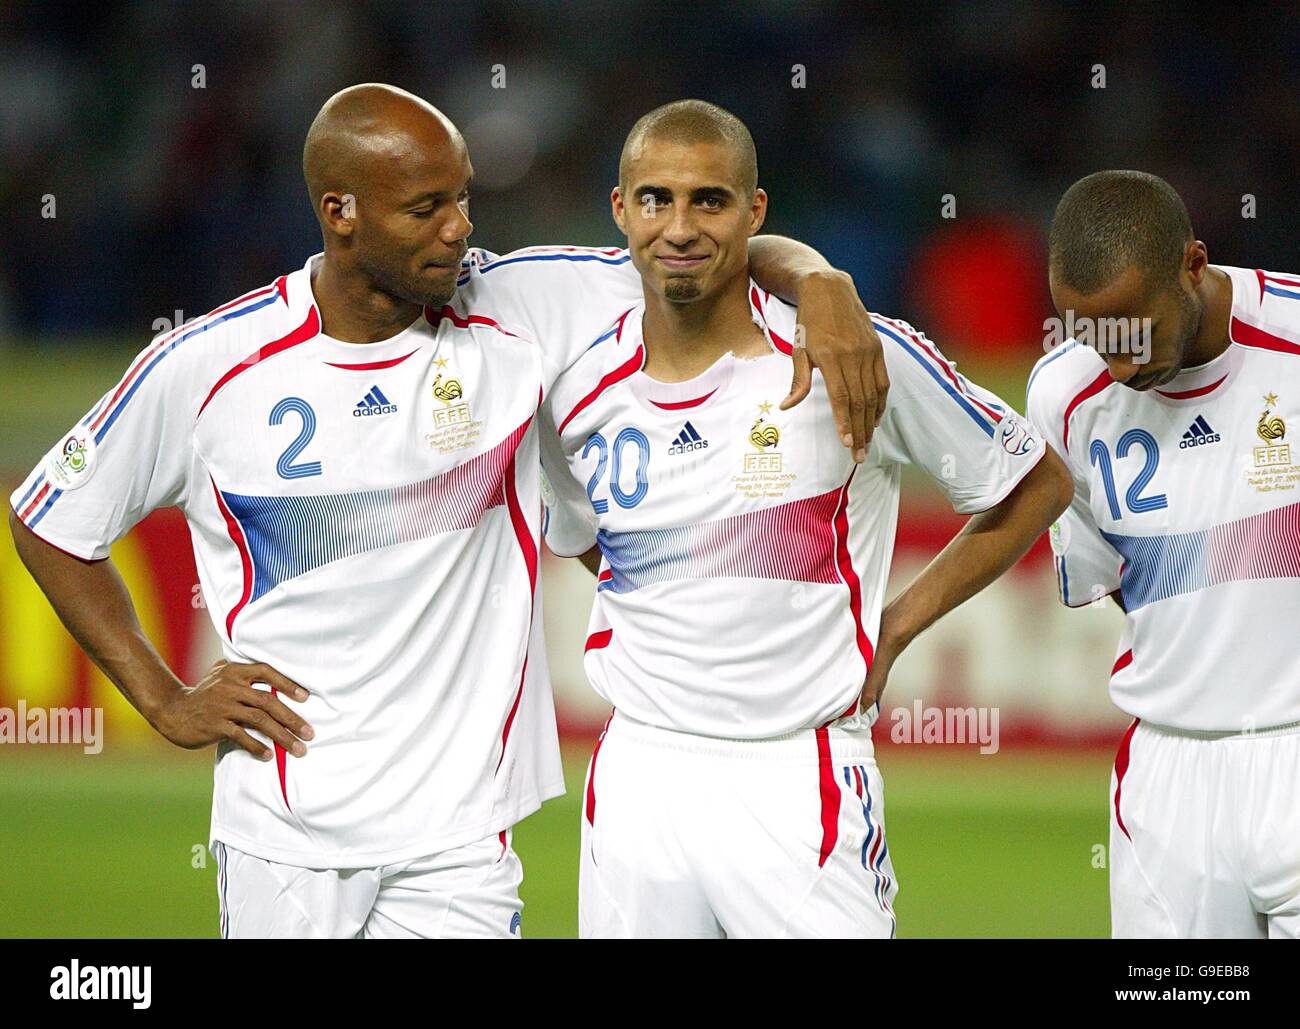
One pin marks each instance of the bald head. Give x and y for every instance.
(365, 131)
(389, 181)
(689, 122)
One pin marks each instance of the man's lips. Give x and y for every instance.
(454, 263)
(679, 262)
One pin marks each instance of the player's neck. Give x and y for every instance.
(683, 340)
(1213, 337)
(353, 311)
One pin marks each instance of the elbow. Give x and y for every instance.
(1058, 484)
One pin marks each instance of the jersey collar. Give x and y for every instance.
(295, 289)
(679, 396)
(1198, 382)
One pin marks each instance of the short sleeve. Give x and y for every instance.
(564, 298)
(974, 446)
(1087, 567)
(569, 523)
(130, 455)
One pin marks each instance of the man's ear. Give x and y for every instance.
(1195, 260)
(616, 206)
(338, 211)
(757, 211)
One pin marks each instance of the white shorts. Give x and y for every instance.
(692, 836)
(469, 891)
(1205, 834)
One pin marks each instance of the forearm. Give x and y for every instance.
(989, 544)
(92, 601)
(785, 266)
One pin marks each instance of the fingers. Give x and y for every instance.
(859, 422)
(838, 394)
(802, 381)
(256, 718)
(264, 711)
(872, 403)
(275, 709)
(265, 673)
(239, 738)
(880, 374)
(875, 379)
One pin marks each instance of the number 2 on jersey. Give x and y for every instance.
(1136, 503)
(597, 442)
(285, 466)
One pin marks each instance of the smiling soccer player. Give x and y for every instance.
(354, 448)
(738, 628)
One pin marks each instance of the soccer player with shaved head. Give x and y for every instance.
(1172, 404)
(739, 628)
(355, 450)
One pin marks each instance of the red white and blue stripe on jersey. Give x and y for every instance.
(485, 262)
(1260, 546)
(984, 412)
(633, 364)
(1057, 353)
(282, 537)
(38, 500)
(1277, 285)
(794, 541)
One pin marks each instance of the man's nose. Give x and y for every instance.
(457, 228)
(681, 227)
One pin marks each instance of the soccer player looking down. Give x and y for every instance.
(737, 628)
(356, 457)
(1186, 511)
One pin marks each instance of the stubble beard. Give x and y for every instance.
(397, 284)
(681, 291)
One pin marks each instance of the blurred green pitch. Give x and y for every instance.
(1002, 845)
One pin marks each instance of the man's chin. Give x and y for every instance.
(439, 299)
(433, 296)
(682, 290)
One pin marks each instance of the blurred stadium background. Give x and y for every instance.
(169, 137)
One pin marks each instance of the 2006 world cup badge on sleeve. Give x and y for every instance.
(70, 464)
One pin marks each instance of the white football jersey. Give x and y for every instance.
(1187, 503)
(745, 556)
(564, 297)
(365, 519)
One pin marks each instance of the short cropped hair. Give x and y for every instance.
(1112, 220)
(694, 121)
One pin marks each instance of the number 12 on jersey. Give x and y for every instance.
(1136, 503)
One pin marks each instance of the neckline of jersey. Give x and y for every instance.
(1205, 379)
(670, 398)
(331, 350)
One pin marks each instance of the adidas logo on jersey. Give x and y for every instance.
(687, 440)
(373, 403)
(1199, 435)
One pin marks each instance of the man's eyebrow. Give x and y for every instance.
(430, 194)
(701, 193)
